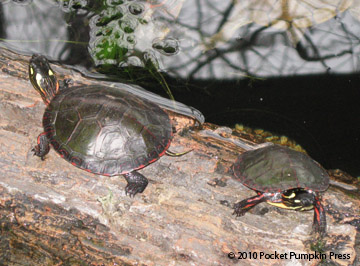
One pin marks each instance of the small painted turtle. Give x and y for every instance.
(99, 129)
(284, 178)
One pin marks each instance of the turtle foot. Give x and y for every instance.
(136, 183)
(37, 152)
(43, 147)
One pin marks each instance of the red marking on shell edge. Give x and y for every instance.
(88, 170)
(75, 161)
(153, 160)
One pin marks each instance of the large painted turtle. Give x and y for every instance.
(102, 130)
(282, 177)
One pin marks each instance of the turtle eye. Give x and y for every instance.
(292, 195)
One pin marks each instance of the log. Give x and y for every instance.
(53, 213)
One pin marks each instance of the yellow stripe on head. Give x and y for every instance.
(307, 208)
(39, 78)
(283, 206)
(279, 204)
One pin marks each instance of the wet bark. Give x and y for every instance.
(55, 214)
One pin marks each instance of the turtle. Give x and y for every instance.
(100, 129)
(284, 178)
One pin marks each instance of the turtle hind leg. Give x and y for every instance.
(243, 206)
(136, 183)
(42, 148)
(319, 225)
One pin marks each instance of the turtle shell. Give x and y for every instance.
(105, 130)
(277, 168)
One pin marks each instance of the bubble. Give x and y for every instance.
(114, 2)
(150, 59)
(106, 18)
(134, 61)
(136, 9)
(168, 46)
(131, 39)
(78, 6)
(128, 25)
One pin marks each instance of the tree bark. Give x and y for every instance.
(53, 213)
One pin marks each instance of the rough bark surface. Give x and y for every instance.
(55, 214)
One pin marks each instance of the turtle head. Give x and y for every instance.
(298, 199)
(43, 78)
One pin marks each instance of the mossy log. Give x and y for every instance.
(53, 213)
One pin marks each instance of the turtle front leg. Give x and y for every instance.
(319, 225)
(42, 148)
(243, 206)
(136, 183)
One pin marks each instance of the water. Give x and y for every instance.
(295, 73)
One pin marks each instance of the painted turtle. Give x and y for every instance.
(102, 130)
(284, 178)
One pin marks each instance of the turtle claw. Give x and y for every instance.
(36, 151)
(238, 210)
(238, 213)
(132, 189)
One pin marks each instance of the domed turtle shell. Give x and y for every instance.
(277, 168)
(105, 130)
